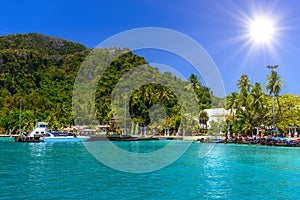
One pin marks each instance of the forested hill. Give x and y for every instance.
(39, 72)
(40, 43)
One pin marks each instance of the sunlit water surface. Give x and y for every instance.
(69, 171)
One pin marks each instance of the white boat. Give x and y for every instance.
(46, 135)
(63, 137)
(40, 129)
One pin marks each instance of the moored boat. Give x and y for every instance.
(63, 137)
(121, 138)
(41, 133)
(27, 138)
(35, 134)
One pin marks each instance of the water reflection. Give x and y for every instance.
(232, 170)
(216, 168)
(37, 163)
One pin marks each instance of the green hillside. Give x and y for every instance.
(38, 72)
(41, 43)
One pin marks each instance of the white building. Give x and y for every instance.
(216, 114)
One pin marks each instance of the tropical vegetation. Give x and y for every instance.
(37, 76)
(251, 108)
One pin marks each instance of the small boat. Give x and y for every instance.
(292, 143)
(121, 138)
(139, 138)
(35, 135)
(27, 138)
(281, 144)
(42, 132)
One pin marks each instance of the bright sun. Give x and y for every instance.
(261, 30)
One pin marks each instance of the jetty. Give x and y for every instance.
(8, 138)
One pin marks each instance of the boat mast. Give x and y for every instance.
(20, 117)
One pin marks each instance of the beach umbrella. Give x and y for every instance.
(131, 129)
(295, 132)
(228, 131)
(220, 131)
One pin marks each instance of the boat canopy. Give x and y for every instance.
(42, 125)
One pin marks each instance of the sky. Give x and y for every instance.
(221, 27)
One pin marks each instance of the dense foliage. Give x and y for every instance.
(37, 75)
(251, 107)
(43, 44)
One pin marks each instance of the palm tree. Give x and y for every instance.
(274, 85)
(203, 118)
(163, 95)
(194, 82)
(244, 87)
(232, 103)
(257, 101)
(244, 84)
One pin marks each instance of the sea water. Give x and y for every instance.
(69, 171)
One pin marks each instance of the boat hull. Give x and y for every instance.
(65, 139)
(119, 138)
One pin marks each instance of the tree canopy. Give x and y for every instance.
(251, 107)
(37, 74)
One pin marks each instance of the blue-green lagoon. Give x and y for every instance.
(69, 171)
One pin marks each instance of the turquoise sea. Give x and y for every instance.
(69, 171)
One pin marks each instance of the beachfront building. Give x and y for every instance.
(102, 129)
(216, 115)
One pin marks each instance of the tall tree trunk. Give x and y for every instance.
(279, 107)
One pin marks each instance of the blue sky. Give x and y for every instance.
(221, 27)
